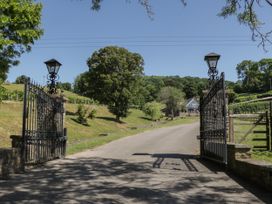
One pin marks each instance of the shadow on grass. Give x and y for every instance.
(110, 119)
(70, 113)
(145, 118)
(102, 180)
(77, 121)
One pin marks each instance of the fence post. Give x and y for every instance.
(231, 128)
(267, 131)
(270, 121)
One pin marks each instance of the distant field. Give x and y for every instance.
(101, 130)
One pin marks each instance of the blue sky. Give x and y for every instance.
(174, 43)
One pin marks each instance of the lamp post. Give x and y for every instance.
(53, 67)
(212, 60)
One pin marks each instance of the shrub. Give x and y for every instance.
(81, 100)
(231, 95)
(255, 107)
(82, 114)
(92, 113)
(3, 93)
(153, 110)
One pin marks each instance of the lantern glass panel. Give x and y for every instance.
(50, 69)
(212, 62)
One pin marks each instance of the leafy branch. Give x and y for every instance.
(246, 14)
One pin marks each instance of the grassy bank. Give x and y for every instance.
(101, 130)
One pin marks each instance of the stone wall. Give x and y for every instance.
(10, 162)
(240, 162)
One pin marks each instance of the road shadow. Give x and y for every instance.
(190, 161)
(193, 163)
(101, 180)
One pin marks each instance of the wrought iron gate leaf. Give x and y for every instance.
(213, 131)
(44, 137)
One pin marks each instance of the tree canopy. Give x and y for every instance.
(244, 10)
(113, 76)
(173, 99)
(21, 79)
(254, 76)
(19, 27)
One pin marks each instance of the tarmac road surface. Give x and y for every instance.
(158, 166)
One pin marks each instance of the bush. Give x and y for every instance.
(3, 93)
(231, 95)
(255, 107)
(82, 113)
(81, 100)
(92, 113)
(153, 110)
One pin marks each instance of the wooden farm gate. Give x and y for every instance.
(213, 127)
(255, 129)
(43, 133)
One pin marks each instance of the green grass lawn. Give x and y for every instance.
(10, 121)
(241, 127)
(101, 130)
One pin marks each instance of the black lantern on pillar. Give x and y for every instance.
(53, 67)
(212, 59)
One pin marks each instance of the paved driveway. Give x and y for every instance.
(158, 166)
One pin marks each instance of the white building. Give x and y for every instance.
(192, 106)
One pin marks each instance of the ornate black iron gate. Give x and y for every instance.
(213, 129)
(43, 135)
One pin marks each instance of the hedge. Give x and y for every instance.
(16, 95)
(254, 107)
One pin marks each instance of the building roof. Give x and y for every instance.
(192, 103)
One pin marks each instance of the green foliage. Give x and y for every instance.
(113, 78)
(92, 113)
(148, 87)
(254, 76)
(173, 99)
(65, 86)
(231, 96)
(19, 28)
(262, 155)
(81, 85)
(254, 107)
(153, 110)
(82, 114)
(21, 79)
(11, 95)
(3, 92)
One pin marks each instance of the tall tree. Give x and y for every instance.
(254, 76)
(248, 71)
(65, 86)
(114, 73)
(173, 99)
(265, 66)
(244, 10)
(19, 27)
(21, 79)
(81, 85)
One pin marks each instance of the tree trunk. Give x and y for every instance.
(118, 119)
